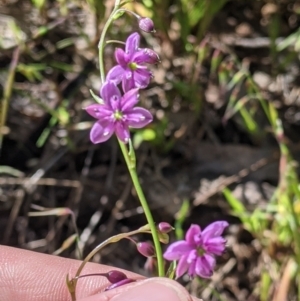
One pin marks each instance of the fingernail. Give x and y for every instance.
(155, 289)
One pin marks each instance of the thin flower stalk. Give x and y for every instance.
(128, 159)
(147, 211)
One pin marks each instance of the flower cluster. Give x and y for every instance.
(196, 254)
(118, 112)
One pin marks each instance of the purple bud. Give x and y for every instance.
(150, 264)
(120, 283)
(150, 56)
(164, 227)
(146, 24)
(145, 249)
(115, 276)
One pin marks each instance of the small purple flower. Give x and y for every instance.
(196, 254)
(117, 114)
(131, 70)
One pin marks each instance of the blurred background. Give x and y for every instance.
(224, 144)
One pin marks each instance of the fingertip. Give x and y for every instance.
(153, 289)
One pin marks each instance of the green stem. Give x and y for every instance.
(4, 103)
(140, 193)
(72, 283)
(130, 165)
(101, 44)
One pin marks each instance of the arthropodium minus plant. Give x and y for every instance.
(116, 112)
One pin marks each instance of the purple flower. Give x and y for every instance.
(196, 254)
(131, 70)
(117, 114)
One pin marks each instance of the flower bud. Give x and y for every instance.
(163, 237)
(146, 249)
(150, 56)
(120, 283)
(149, 265)
(115, 276)
(164, 227)
(146, 24)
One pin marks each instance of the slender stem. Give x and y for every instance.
(143, 201)
(4, 104)
(114, 41)
(131, 167)
(101, 42)
(130, 12)
(73, 282)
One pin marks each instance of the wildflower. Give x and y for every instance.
(196, 254)
(146, 24)
(117, 114)
(131, 70)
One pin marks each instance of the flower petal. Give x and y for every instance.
(145, 55)
(177, 249)
(121, 58)
(192, 256)
(138, 117)
(205, 266)
(193, 235)
(115, 103)
(214, 229)
(132, 43)
(192, 269)
(122, 131)
(130, 99)
(109, 90)
(182, 266)
(128, 81)
(99, 111)
(100, 133)
(115, 74)
(94, 110)
(142, 78)
(215, 245)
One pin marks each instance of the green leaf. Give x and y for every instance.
(11, 171)
(249, 121)
(97, 98)
(143, 135)
(39, 3)
(234, 203)
(180, 217)
(237, 78)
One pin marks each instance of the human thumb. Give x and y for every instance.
(152, 289)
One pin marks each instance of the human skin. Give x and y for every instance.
(31, 276)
